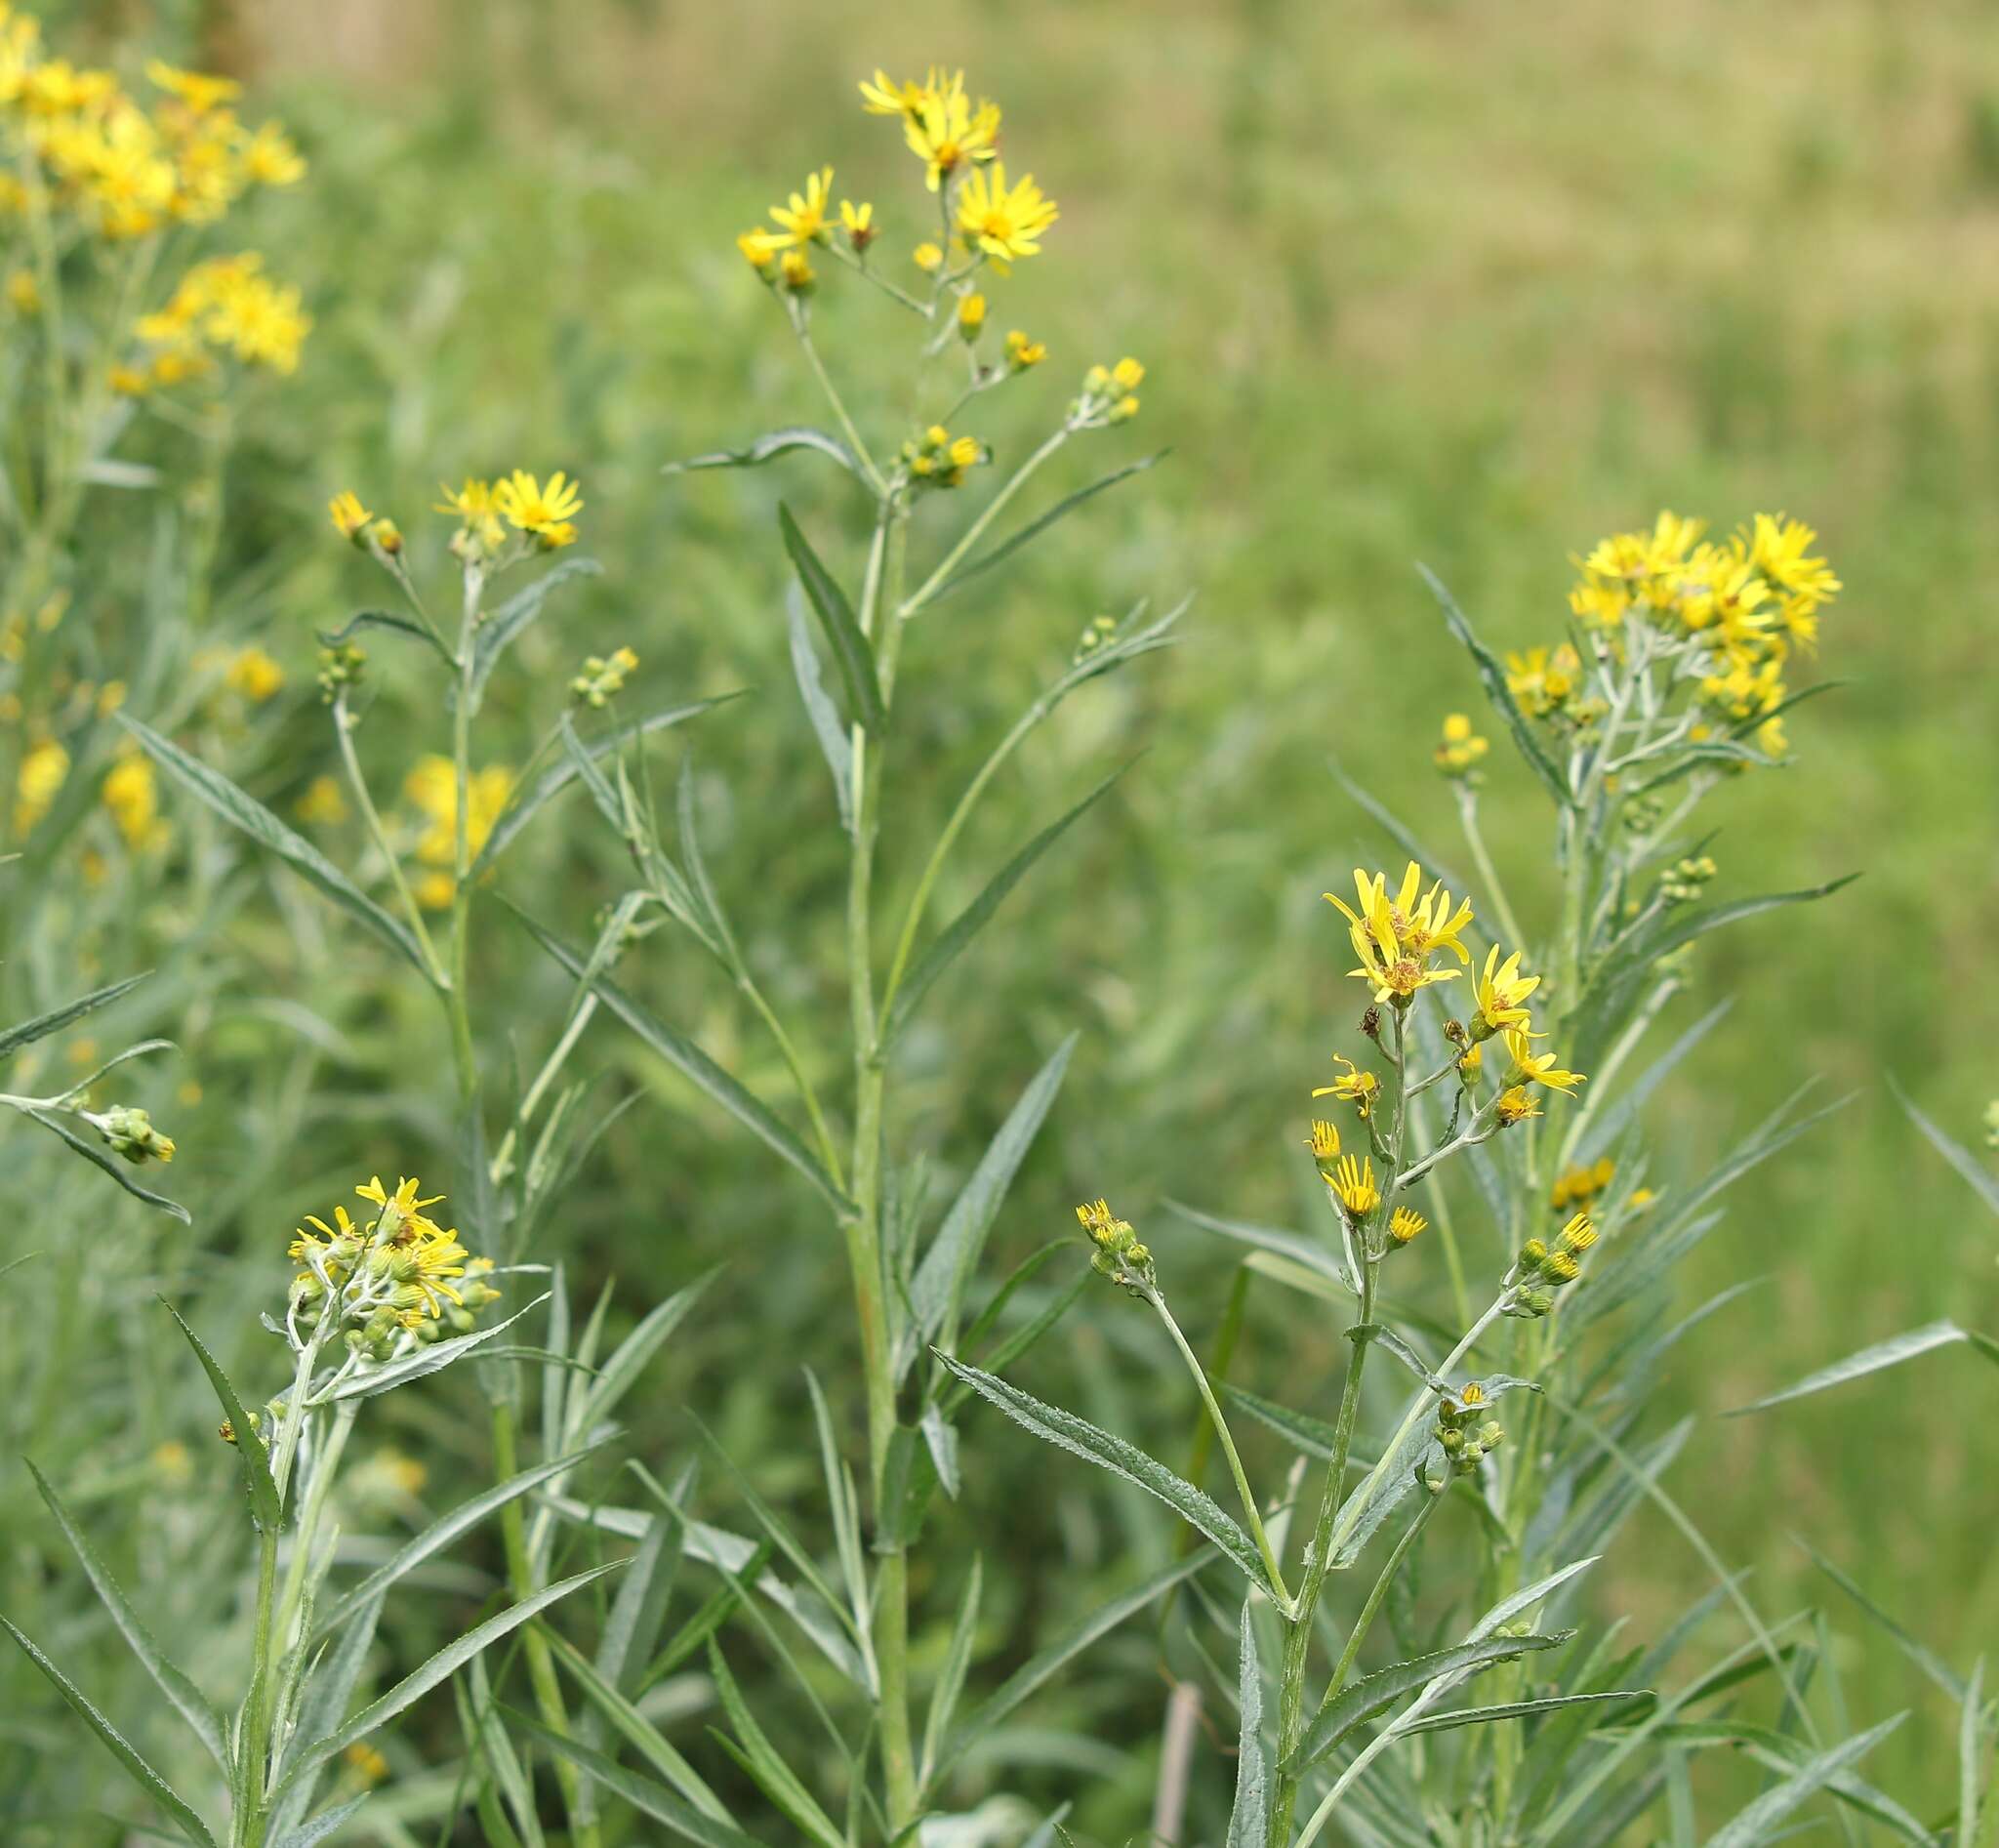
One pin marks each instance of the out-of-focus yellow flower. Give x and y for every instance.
(1005, 221)
(883, 96)
(44, 769)
(927, 257)
(858, 222)
(546, 510)
(271, 158)
(805, 217)
(1023, 352)
(131, 792)
(1461, 747)
(172, 1464)
(1578, 1186)
(431, 788)
(24, 292)
(365, 1762)
(255, 674)
(794, 269)
(350, 518)
(323, 804)
(603, 678)
(971, 316)
(129, 381)
(760, 249)
(948, 134)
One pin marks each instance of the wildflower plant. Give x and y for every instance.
(1489, 1091)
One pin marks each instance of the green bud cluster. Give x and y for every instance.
(1685, 879)
(339, 667)
(1118, 1253)
(130, 1132)
(1466, 1431)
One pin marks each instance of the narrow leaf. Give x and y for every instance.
(693, 1063)
(399, 625)
(763, 1762)
(834, 744)
(1066, 1431)
(767, 448)
(1984, 1183)
(243, 811)
(250, 1451)
(119, 1170)
(1522, 1709)
(967, 925)
(851, 650)
(27, 1032)
(140, 1773)
(1751, 1826)
(1869, 1360)
(1250, 1819)
(420, 1363)
(957, 1659)
(323, 1826)
(622, 1371)
(502, 628)
(642, 1793)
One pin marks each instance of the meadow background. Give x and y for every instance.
(1417, 281)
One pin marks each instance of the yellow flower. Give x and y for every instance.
(1502, 990)
(255, 674)
(131, 792)
(1581, 1185)
(199, 92)
(172, 1463)
(129, 381)
(1516, 1103)
(1461, 748)
(804, 220)
(44, 769)
(1023, 352)
(270, 158)
(350, 518)
(1353, 1184)
(1128, 375)
(1352, 1087)
(323, 803)
(1403, 1224)
(760, 249)
(1323, 1142)
(1005, 221)
(927, 257)
(858, 222)
(365, 1762)
(1537, 1068)
(432, 787)
(886, 97)
(946, 133)
(1395, 938)
(530, 506)
(796, 269)
(1580, 1234)
(971, 316)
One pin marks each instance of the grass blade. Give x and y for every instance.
(1868, 1360)
(649, 1798)
(1751, 1826)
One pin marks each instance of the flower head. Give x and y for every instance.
(947, 133)
(350, 518)
(806, 217)
(546, 510)
(1461, 747)
(1352, 1087)
(1005, 221)
(1120, 1256)
(1354, 1186)
(1403, 1224)
(1538, 1068)
(1502, 993)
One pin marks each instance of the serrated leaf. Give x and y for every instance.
(264, 1506)
(140, 1773)
(952, 941)
(1751, 1826)
(523, 804)
(245, 812)
(417, 1364)
(186, 1699)
(852, 652)
(1081, 1438)
(1354, 1706)
(937, 1289)
(500, 629)
(1250, 1817)
(1493, 677)
(27, 1032)
(1035, 527)
(99, 1158)
(439, 1667)
(767, 448)
(692, 1063)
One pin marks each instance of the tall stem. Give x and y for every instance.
(932, 583)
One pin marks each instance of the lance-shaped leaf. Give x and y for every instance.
(244, 811)
(688, 1059)
(503, 627)
(1250, 1818)
(834, 744)
(98, 1157)
(952, 941)
(27, 1032)
(188, 1700)
(1315, 1437)
(439, 1667)
(1528, 1709)
(364, 620)
(417, 1364)
(1353, 1707)
(250, 1451)
(642, 1793)
(140, 1773)
(524, 803)
(767, 448)
(1984, 1183)
(323, 1826)
(1493, 678)
(957, 1661)
(439, 1535)
(1066, 1431)
(1045, 1664)
(751, 1747)
(1871, 1360)
(852, 652)
(937, 1289)
(1041, 523)
(639, 1733)
(1752, 1826)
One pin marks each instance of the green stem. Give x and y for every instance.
(840, 411)
(342, 731)
(1369, 1611)
(255, 1771)
(1221, 1431)
(1495, 889)
(325, 1469)
(991, 511)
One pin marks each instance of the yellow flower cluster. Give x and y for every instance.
(1748, 603)
(44, 769)
(131, 795)
(225, 304)
(123, 169)
(1462, 749)
(398, 1273)
(431, 788)
(1396, 937)
(939, 460)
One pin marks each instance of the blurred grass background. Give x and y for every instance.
(1412, 281)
